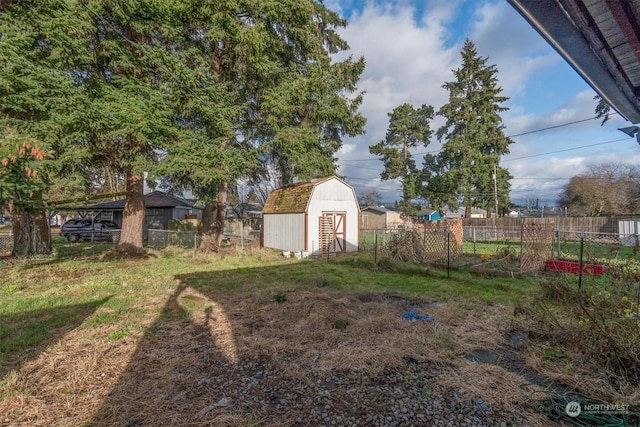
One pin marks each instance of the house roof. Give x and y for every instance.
(427, 211)
(599, 39)
(243, 209)
(293, 198)
(380, 209)
(155, 199)
(461, 211)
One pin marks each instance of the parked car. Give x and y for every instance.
(86, 229)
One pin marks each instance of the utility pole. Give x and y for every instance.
(495, 194)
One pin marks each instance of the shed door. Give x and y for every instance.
(333, 232)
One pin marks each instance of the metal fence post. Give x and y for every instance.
(375, 246)
(448, 253)
(522, 243)
(580, 262)
(474, 240)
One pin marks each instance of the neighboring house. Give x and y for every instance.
(430, 215)
(160, 209)
(244, 210)
(475, 213)
(244, 219)
(373, 217)
(319, 217)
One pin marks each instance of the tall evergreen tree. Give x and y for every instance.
(127, 58)
(209, 90)
(36, 94)
(99, 97)
(285, 99)
(473, 135)
(408, 128)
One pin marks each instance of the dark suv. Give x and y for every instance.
(86, 229)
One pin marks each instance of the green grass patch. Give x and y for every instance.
(22, 328)
(492, 248)
(9, 289)
(102, 319)
(117, 335)
(595, 251)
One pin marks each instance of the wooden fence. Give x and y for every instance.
(570, 224)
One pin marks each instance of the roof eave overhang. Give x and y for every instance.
(552, 22)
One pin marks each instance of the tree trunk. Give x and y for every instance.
(31, 232)
(467, 211)
(213, 218)
(133, 216)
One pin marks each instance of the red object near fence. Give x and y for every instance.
(573, 267)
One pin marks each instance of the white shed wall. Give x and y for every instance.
(629, 231)
(283, 231)
(333, 196)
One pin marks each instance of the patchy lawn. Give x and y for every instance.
(250, 338)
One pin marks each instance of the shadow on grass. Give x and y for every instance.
(171, 374)
(203, 358)
(24, 335)
(191, 362)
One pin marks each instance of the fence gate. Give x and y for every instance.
(333, 233)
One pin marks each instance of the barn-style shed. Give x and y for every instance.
(320, 217)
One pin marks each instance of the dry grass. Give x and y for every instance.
(178, 342)
(164, 376)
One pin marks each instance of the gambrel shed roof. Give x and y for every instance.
(292, 198)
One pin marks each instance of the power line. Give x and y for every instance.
(566, 149)
(541, 178)
(553, 127)
(509, 136)
(359, 167)
(509, 160)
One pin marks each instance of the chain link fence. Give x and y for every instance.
(159, 239)
(532, 246)
(486, 240)
(423, 242)
(190, 239)
(6, 243)
(594, 247)
(153, 238)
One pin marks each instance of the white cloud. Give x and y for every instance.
(406, 63)
(409, 58)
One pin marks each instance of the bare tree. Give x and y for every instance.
(370, 197)
(605, 189)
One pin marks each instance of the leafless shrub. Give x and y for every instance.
(405, 246)
(597, 324)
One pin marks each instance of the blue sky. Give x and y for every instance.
(411, 46)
